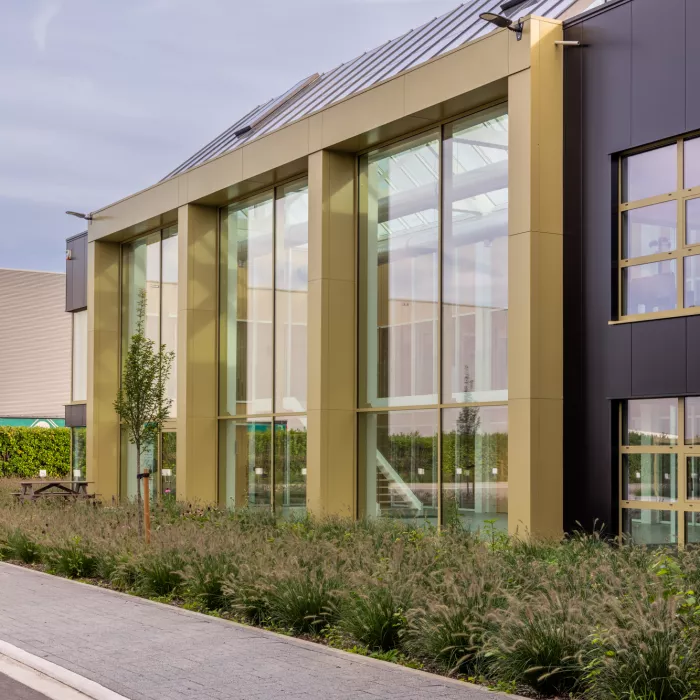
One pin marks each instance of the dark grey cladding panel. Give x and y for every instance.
(693, 354)
(76, 273)
(76, 416)
(692, 65)
(658, 69)
(607, 75)
(636, 80)
(619, 366)
(659, 358)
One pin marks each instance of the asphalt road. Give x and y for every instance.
(12, 690)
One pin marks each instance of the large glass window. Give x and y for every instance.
(80, 352)
(660, 471)
(475, 466)
(659, 226)
(78, 454)
(475, 261)
(246, 307)
(291, 295)
(433, 324)
(246, 450)
(290, 465)
(150, 263)
(399, 273)
(400, 464)
(263, 287)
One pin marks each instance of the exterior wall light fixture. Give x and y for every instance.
(504, 23)
(87, 217)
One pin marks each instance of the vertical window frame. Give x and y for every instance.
(276, 413)
(681, 195)
(682, 505)
(362, 367)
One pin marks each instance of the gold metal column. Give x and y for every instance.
(196, 354)
(102, 435)
(331, 452)
(535, 295)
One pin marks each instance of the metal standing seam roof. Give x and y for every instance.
(416, 46)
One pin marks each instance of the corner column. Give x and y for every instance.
(102, 434)
(196, 355)
(535, 288)
(331, 440)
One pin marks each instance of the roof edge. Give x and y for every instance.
(605, 7)
(344, 99)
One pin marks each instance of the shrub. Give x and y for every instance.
(539, 642)
(124, 574)
(243, 590)
(447, 634)
(19, 546)
(653, 656)
(375, 617)
(205, 578)
(72, 560)
(160, 574)
(23, 451)
(302, 602)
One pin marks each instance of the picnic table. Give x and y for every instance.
(43, 488)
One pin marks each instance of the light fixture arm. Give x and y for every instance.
(517, 27)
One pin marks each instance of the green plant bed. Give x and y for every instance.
(580, 618)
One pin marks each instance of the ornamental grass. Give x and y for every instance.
(582, 618)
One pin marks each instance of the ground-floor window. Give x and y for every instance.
(258, 471)
(660, 470)
(159, 458)
(448, 466)
(77, 457)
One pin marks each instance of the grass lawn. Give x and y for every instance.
(581, 618)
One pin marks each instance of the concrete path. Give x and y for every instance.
(147, 651)
(12, 690)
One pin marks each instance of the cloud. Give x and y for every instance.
(40, 24)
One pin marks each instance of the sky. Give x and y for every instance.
(101, 98)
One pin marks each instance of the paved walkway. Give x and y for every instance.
(12, 690)
(148, 651)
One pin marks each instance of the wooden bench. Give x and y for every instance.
(48, 488)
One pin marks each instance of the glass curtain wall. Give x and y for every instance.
(660, 471)
(263, 287)
(433, 335)
(149, 263)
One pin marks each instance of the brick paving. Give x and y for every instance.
(147, 651)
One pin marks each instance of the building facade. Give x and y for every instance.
(390, 290)
(35, 346)
(631, 368)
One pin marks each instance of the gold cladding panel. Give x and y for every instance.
(438, 81)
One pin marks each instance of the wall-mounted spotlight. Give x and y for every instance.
(87, 217)
(504, 23)
(69, 255)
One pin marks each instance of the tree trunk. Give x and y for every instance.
(138, 490)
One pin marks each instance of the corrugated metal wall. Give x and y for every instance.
(35, 340)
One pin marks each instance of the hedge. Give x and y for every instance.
(24, 451)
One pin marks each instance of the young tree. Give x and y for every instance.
(142, 403)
